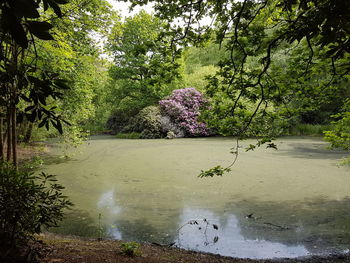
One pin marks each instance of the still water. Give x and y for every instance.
(290, 202)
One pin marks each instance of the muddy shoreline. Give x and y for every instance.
(73, 249)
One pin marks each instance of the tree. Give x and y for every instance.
(144, 66)
(76, 55)
(253, 32)
(21, 22)
(339, 137)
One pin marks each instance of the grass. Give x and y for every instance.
(132, 135)
(309, 129)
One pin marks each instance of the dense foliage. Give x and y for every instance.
(144, 69)
(25, 88)
(28, 203)
(178, 114)
(183, 108)
(286, 62)
(339, 137)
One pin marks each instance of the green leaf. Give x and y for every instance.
(61, 84)
(13, 25)
(37, 26)
(24, 8)
(40, 29)
(41, 124)
(29, 108)
(43, 35)
(47, 125)
(61, 2)
(55, 8)
(58, 126)
(46, 5)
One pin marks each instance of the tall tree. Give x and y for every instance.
(144, 65)
(21, 22)
(76, 55)
(253, 31)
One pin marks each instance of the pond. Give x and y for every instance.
(290, 202)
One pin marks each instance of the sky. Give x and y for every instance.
(123, 8)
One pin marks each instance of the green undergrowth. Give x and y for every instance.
(132, 135)
(303, 129)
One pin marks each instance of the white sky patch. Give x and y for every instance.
(124, 8)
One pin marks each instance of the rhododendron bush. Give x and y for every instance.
(183, 108)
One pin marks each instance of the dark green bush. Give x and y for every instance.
(147, 122)
(119, 121)
(28, 203)
(130, 249)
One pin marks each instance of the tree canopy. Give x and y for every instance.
(276, 51)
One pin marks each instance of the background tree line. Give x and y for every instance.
(261, 69)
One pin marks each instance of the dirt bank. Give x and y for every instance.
(77, 250)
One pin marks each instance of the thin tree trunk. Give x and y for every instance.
(14, 135)
(9, 143)
(1, 141)
(4, 138)
(28, 133)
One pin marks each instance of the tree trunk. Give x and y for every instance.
(1, 141)
(9, 143)
(14, 135)
(28, 133)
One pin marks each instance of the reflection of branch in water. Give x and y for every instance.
(195, 222)
(274, 225)
(250, 216)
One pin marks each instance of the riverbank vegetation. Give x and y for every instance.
(120, 85)
(260, 69)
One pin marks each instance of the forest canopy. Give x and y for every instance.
(264, 67)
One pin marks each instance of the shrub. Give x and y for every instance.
(301, 129)
(119, 120)
(147, 123)
(28, 202)
(339, 136)
(183, 108)
(130, 249)
(169, 126)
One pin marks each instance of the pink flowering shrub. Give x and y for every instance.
(183, 108)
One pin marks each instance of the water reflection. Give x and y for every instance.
(79, 223)
(208, 235)
(107, 202)
(145, 190)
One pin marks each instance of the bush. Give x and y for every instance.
(28, 202)
(119, 120)
(148, 123)
(183, 108)
(339, 136)
(301, 129)
(130, 249)
(169, 126)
